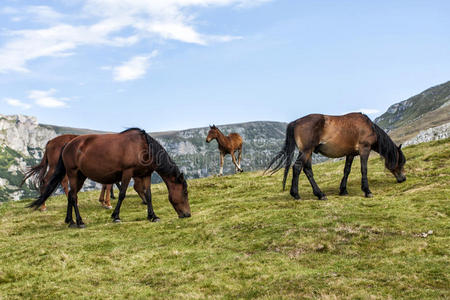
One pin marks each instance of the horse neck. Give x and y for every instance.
(385, 147)
(168, 179)
(221, 138)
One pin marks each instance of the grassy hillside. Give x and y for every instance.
(246, 239)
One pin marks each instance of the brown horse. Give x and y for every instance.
(227, 145)
(336, 136)
(109, 158)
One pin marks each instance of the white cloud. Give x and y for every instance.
(35, 13)
(105, 23)
(8, 10)
(17, 103)
(134, 68)
(252, 3)
(47, 98)
(43, 14)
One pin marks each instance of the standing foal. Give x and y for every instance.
(228, 144)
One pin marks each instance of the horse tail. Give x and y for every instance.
(38, 171)
(286, 154)
(53, 183)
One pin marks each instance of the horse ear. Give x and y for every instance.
(400, 147)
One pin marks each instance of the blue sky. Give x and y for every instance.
(175, 64)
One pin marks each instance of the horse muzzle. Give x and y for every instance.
(185, 215)
(401, 179)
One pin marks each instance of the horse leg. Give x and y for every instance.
(112, 192)
(239, 159)
(151, 216)
(347, 169)
(44, 184)
(139, 187)
(238, 168)
(126, 177)
(307, 168)
(296, 170)
(364, 154)
(101, 198)
(221, 164)
(75, 187)
(107, 203)
(69, 218)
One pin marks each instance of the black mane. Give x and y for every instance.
(386, 148)
(133, 128)
(165, 166)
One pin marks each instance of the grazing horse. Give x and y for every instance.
(109, 158)
(336, 136)
(227, 145)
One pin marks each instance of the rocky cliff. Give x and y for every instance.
(431, 134)
(21, 143)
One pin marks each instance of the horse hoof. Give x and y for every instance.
(117, 221)
(370, 195)
(81, 226)
(107, 206)
(43, 209)
(72, 225)
(156, 220)
(323, 198)
(296, 196)
(343, 193)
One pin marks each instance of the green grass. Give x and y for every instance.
(246, 239)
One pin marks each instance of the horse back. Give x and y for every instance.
(236, 140)
(334, 136)
(356, 127)
(101, 156)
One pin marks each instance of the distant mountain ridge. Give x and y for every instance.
(60, 130)
(407, 118)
